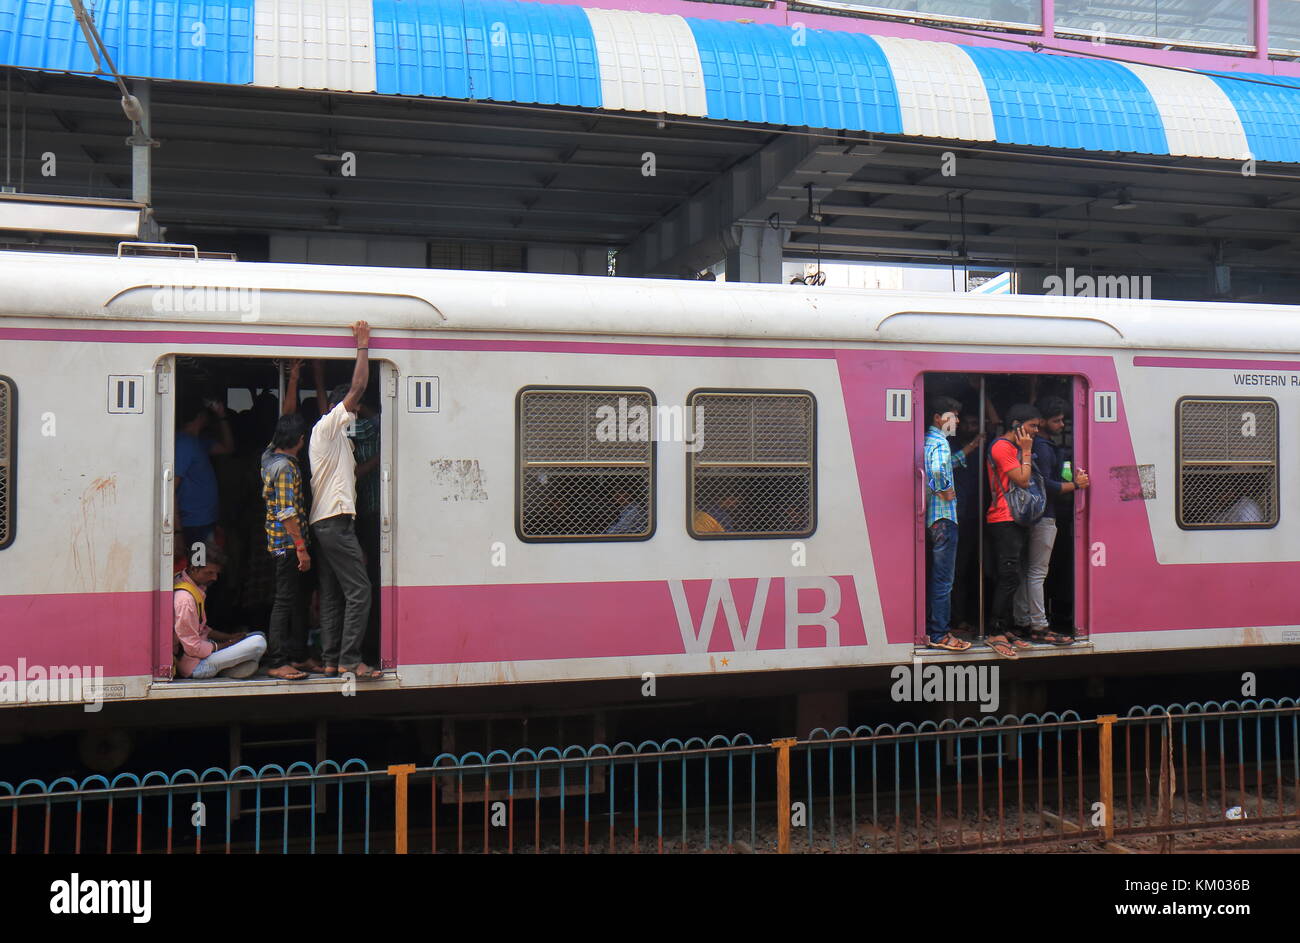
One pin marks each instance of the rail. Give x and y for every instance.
(1149, 778)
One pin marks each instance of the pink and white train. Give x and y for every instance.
(87, 368)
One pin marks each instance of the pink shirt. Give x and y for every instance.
(192, 643)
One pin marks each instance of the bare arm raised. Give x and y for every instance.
(361, 372)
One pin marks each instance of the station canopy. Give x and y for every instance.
(533, 122)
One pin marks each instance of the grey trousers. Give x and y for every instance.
(344, 590)
(1029, 609)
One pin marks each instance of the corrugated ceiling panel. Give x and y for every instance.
(648, 62)
(498, 50)
(1199, 119)
(939, 90)
(1269, 108)
(195, 40)
(1060, 101)
(781, 75)
(325, 44)
(43, 34)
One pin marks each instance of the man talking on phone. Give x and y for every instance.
(1011, 461)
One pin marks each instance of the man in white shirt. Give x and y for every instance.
(344, 585)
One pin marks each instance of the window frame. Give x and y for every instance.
(10, 509)
(652, 495)
(812, 463)
(1178, 463)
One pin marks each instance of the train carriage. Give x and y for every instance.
(522, 414)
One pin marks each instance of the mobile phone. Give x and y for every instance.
(1016, 425)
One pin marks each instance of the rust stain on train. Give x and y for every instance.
(95, 523)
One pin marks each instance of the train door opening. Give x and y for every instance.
(217, 416)
(983, 403)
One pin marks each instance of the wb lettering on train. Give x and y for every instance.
(696, 637)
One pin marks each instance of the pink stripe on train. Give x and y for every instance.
(345, 345)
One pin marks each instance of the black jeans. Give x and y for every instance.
(344, 590)
(1009, 542)
(288, 628)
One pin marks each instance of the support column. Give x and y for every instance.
(141, 142)
(1261, 29)
(754, 252)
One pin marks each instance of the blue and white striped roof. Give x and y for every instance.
(513, 51)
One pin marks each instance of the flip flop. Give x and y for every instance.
(295, 674)
(949, 643)
(1001, 646)
(1018, 640)
(309, 665)
(363, 672)
(331, 671)
(1048, 637)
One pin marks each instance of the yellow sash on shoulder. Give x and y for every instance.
(182, 583)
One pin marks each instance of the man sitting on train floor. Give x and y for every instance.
(286, 541)
(199, 650)
(344, 584)
(941, 522)
(1030, 612)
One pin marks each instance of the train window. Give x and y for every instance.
(753, 470)
(8, 407)
(1227, 463)
(585, 468)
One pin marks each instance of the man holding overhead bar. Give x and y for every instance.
(344, 585)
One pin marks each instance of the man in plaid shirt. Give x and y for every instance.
(941, 521)
(286, 540)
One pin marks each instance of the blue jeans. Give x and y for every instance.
(942, 539)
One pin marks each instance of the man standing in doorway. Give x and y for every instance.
(286, 540)
(344, 585)
(1030, 612)
(941, 522)
(1010, 462)
(196, 480)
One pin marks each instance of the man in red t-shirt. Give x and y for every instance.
(1011, 461)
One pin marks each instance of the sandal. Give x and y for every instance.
(331, 671)
(1001, 645)
(364, 672)
(949, 643)
(1048, 637)
(286, 673)
(309, 665)
(1019, 638)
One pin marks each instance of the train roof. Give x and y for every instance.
(106, 288)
